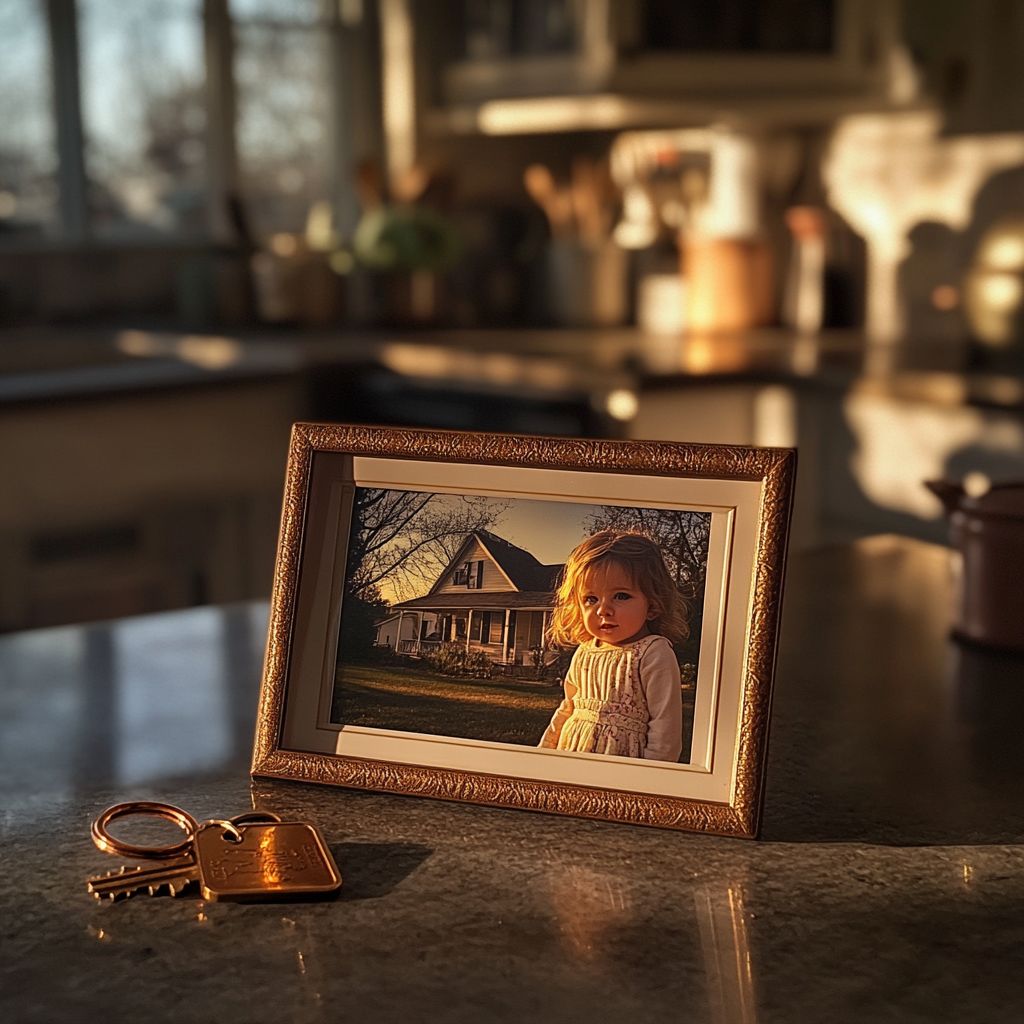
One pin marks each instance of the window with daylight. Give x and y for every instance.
(145, 120)
(283, 68)
(28, 146)
(144, 116)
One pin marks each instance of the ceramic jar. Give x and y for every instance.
(988, 531)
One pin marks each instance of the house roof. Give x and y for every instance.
(523, 570)
(521, 567)
(479, 601)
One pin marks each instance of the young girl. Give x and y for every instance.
(622, 690)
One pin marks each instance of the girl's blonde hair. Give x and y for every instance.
(641, 558)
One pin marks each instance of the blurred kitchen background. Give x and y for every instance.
(771, 222)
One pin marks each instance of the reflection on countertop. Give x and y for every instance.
(887, 884)
(48, 362)
(128, 703)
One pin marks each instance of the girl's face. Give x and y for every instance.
(613, 609)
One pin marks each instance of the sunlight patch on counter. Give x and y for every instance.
(902, 443)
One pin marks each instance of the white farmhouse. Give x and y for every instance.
(492, 596)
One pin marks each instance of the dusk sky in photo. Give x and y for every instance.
(549, 530)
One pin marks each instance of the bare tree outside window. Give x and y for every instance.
(283, 77)
(143, 80)
(28, 151)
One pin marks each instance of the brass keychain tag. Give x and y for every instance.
(246, 862)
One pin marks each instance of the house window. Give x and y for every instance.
(497, 627)
(492, 626)
(471, 575)
(475, 625)
(460, 628)
(536, 629)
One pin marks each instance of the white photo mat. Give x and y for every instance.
(734, 506)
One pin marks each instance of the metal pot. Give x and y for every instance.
(988, 531)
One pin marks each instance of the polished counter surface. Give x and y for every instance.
(888, 884)
(50, 363)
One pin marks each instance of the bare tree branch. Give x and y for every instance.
(406, 538)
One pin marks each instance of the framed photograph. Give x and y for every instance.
(574, 626)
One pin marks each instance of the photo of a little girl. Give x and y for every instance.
(559, 625)
(622, 694)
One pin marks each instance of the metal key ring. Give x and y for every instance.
(148, 808)
(256, 818)
(227, 826)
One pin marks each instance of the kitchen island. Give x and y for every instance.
(888, 883)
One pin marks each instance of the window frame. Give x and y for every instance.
(72, 228)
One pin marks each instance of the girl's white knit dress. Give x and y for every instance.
(621, 700)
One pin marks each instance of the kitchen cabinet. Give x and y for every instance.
(525, 66)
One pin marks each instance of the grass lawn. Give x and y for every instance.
(478, 709)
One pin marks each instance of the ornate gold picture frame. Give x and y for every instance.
(417, 639)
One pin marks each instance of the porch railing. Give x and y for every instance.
(417, 646)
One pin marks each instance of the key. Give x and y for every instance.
(172, 876)
(254, 856)
(175, 867)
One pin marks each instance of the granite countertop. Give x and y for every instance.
(887, 884)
